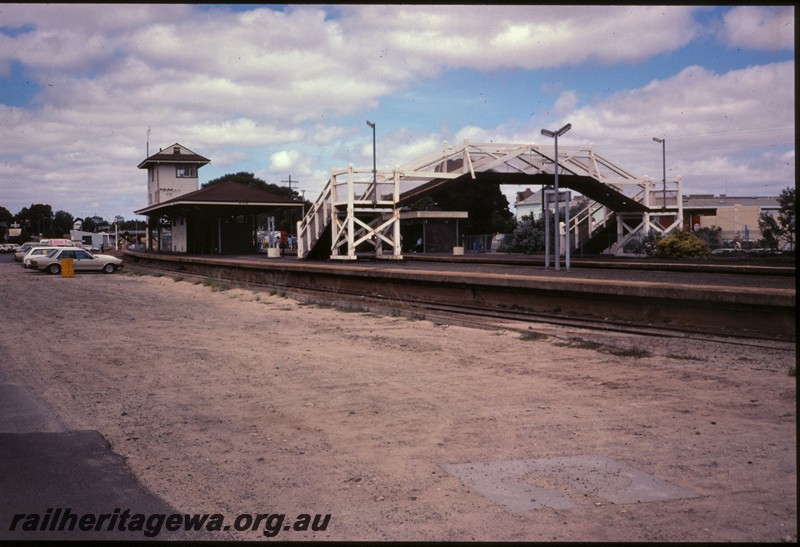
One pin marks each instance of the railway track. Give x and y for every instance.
(480, 316)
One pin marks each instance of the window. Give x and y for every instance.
(183, 171)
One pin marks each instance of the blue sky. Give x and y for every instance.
(281, 90)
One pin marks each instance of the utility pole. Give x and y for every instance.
(290, 182)
(664, 170)
(374, 167)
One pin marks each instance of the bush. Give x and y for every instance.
(643, 246)
(682, 245)
(528, 236)
(711, 235)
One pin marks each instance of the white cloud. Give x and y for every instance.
(759, 27)
(565, 103)
(283, 160)
(241, 87)
(714, 125)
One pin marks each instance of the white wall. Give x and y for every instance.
(179, 239)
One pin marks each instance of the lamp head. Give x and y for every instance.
(552, 134)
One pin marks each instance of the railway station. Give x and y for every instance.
(349, 246)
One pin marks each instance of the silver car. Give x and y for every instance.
(35, 252)
(20, 253)
(83, 261)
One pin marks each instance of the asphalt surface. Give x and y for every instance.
(51, 476)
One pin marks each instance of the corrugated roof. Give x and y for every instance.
(228, 192)
(705, 201)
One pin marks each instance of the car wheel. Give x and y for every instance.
(109, 268)
(54, 268)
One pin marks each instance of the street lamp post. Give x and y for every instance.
(554, 135)
(664, 170)
(374, 166)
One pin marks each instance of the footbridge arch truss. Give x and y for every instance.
(361, 209)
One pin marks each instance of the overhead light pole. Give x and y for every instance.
(663, 170)
(374, 166)
(554, 135)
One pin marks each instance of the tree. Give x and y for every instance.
(781, 229)
(36, 220)
(62, 223)
(5, 215)
(89, 225)
(485, 204)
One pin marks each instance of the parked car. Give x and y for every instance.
(83, 261)
(5, 248)
(27, 246)
(35, 252)
(20, 253)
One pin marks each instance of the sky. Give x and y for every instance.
(86, 91)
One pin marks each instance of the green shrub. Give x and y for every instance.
(644, 246)
(681, 245)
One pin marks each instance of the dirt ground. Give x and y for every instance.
(232, 401)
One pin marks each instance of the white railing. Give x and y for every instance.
(361, 206)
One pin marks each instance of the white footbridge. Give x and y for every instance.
(361, 209)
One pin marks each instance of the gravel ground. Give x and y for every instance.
(232, 401)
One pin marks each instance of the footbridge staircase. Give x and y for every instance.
(361, 209)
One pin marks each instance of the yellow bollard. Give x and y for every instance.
(67, 267)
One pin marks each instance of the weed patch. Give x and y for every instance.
(217, 285)
(684, 357)
(531, 335)
(635, 351)
(630, 352)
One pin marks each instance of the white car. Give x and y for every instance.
(83, 261)
(20, 253)
(35, 252)
(23, 250)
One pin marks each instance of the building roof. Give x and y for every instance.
(168, 155)
(226, 193)
(525, 195)
(709, 201)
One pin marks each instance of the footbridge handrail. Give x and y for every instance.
(358, 203)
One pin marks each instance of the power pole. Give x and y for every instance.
(290, 182)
